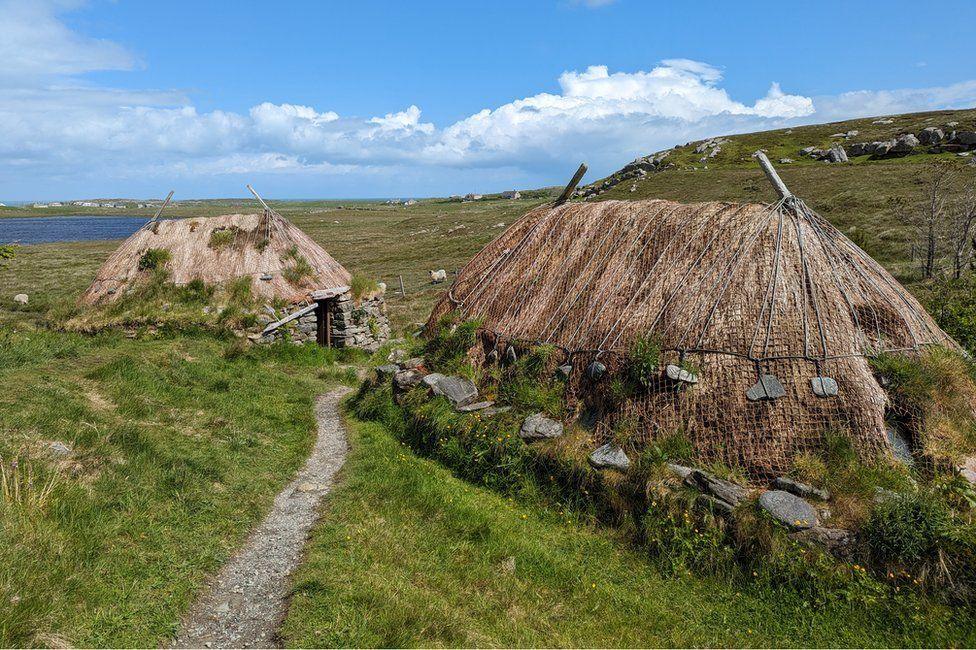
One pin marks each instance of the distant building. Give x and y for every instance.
(411, 202)
(88, 204)
(56, 204)
(39, 205)
(512, 194)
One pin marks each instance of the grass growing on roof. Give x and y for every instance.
(361, 285)
(935, 392)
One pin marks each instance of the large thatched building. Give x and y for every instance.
(766, 317)
(281, 262)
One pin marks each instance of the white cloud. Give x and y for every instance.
(57, 127)
(36, 42)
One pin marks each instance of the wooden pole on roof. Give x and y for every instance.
(777, 182)
(160, 210)
(258, 197)
(568, 192)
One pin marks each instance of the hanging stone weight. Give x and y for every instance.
(824, 386)
(510, 355)
(767, 388)
(564, 371)
(677, 373)
(596, 370)
(492, 356)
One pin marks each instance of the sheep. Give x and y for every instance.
(438, 276)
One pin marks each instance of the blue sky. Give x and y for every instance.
(328, 99)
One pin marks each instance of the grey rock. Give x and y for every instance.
(836, 154)
(58, 448)
(407, 379)
(263, 319)
(785, 161)
(680, 470)
(459, 390)
(824, 386)
(800, 489)
(610, 456)
(836, 540)
(565, 370)
(767, 388)
(731, 493)
(388, 369)
(905, 144)
(788, 509)
(477, 406)
(596, 370)
(931, 135)
(965, 137)
(677, 373)
(880, 149)
(511, 356)
(538, 427)
(858, 149)
(496, 410)
(806, 151)
(967, 469)
(412, 364)
(708, 503)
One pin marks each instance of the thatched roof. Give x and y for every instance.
(246, 245)
(735, 291)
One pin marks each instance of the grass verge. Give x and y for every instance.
(409, 555)
(133, 469)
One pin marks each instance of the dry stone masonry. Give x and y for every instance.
(364, 325)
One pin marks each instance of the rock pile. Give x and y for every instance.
(637, 169)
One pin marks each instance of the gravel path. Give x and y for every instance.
(245, 604)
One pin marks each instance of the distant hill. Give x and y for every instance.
(865, 197)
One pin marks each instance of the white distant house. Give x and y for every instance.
(56, 204)
(512, 194)
(410, 202)
(88, 204)
(39, 205)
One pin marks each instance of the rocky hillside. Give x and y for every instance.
(860, 174)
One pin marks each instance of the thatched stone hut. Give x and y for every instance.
(764, 319)
(281, 261)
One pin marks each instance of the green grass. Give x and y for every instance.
(178, 447)
(408, 555)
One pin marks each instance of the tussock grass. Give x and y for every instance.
(176, 451)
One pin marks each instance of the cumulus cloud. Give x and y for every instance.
(57, 126)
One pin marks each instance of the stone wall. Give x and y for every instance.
(363, 326)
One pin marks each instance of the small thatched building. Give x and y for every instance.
(219, 249)
(281, 261)
(766, 318)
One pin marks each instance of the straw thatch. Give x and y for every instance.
(730, 291)
(247, 245)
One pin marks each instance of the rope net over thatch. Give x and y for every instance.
(732, 293)
(281, 260)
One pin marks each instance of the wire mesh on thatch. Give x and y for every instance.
(734, 291)
(218, 249)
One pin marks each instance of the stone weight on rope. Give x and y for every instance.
(824, 387)
(596, 370)
(679, 374)
(492, 356)
(510, 355)
(767, 388)
(564, 371)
